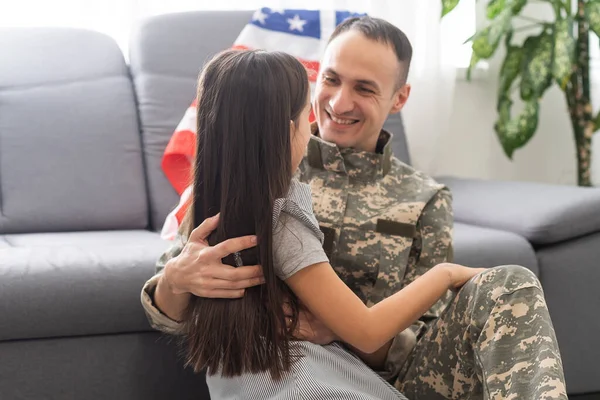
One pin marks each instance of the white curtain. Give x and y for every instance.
(437, 50)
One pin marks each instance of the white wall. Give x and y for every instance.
(471, 148)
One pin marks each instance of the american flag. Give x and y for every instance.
(301, 33)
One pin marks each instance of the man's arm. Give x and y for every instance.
(192, 267)
(431, 246)
(159, 319)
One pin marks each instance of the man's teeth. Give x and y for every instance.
(342, 121)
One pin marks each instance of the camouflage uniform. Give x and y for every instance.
(385, 225)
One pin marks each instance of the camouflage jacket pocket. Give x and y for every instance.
(393, 261)
(355, 258)
(372, 263)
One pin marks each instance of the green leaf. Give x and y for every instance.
(564, 52)
(494, 8)
(485, 42)
(515, 133)
(500, 25)
(592, 11)
(471, 38)
(536, 67)
(597, 122)
(511, 66)
(481, 45)
(518, 6)
(472, 64)
(448, 5)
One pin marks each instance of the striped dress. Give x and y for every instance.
(323, 372)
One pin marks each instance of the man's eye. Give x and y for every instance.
(365, 90)
(328, 79)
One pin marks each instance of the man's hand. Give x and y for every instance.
(200, 271)
(311, 329)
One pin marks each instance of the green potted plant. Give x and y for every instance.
(557, 53)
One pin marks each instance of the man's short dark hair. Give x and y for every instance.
(381, 31)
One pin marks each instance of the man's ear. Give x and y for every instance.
(400, 98)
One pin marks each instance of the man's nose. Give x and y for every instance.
(341, 102)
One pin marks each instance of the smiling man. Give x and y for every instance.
(386, 224)
(355, 94)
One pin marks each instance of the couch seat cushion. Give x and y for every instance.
(484, 247)
(541, 213)
(66, 284)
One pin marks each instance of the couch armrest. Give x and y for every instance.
(542, 213)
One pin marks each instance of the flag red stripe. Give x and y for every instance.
(176, 159)
(180, 214)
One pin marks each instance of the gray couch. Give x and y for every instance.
(82, 195)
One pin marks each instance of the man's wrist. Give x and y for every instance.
(166, 279)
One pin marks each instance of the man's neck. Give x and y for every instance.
(376, 147)
(361, 165)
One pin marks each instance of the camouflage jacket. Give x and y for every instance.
(385, 224)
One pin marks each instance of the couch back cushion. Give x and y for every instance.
(70, 150)
(167, 53)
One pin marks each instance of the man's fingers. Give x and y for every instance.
(221, 293)
(201, 232)
(232, 285)
(230, 246)
(242, 273)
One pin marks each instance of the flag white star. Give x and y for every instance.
(259, 16)
(296, 23)
(278, 11)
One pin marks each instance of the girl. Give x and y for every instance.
(253, 129)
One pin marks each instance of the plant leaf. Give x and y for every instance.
(471, 38)
(494, 8)
(515, 133)
(500, 26)
(485, 42)
(564, 52)
(518, 6)
(448, 5)
(511, 66)
(472, 64)
(536, 67)
(592, 11)
(481, 46)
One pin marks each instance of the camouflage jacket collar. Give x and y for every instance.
(361, 165)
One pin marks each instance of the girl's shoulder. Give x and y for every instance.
(297, 205)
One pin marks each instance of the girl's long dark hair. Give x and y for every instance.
(246, 100)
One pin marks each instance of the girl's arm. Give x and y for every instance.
(320, 289)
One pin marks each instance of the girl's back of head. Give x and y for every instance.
(246, 100)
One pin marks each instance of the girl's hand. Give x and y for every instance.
(459, 274)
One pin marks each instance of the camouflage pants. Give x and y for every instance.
(494, 341)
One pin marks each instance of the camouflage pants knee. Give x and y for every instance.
(494, 341)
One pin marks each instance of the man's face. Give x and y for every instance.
(356, 91)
